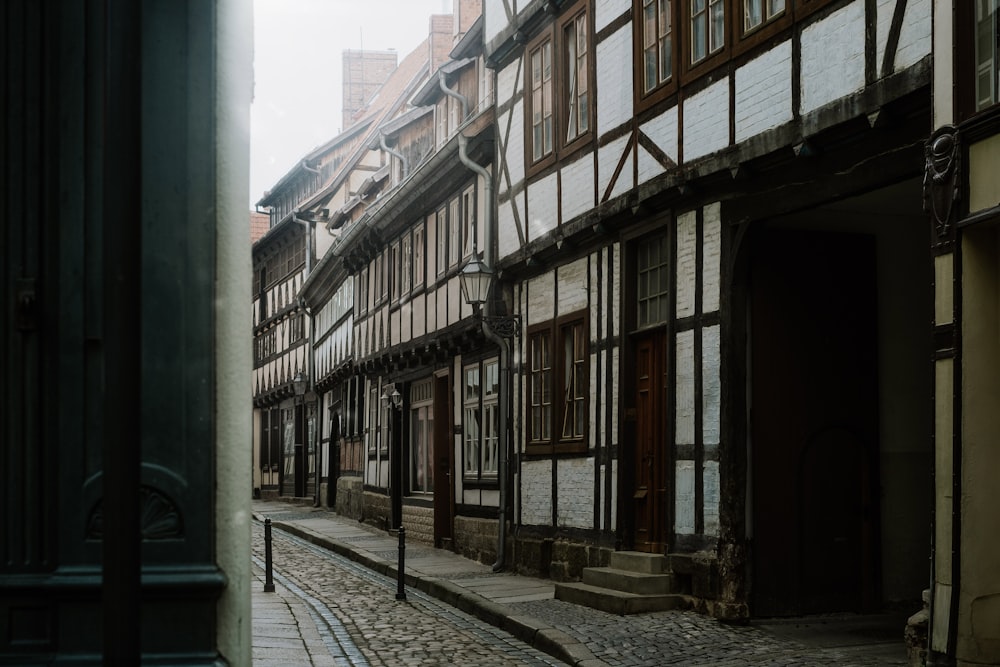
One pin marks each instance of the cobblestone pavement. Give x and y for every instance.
(362, 603)
(346, 614)
(695, 640)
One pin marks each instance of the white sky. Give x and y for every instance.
(297, 70)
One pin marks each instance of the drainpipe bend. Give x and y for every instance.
(463, 100)
(394, 153)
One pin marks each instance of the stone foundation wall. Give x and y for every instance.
(419, 523)
(476, 538)
(349, 496)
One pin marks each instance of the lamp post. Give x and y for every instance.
(299, 383)
(392, 400)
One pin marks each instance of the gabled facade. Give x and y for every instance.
(963, 201)
(706, 215)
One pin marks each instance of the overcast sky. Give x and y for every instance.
(297, 70)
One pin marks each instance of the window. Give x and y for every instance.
(653, 281)
(393, 269)
(373, 431)
(541, 101)
(558, 117)
(454, 230)
(558, 386)
(441, 115)
(708, 28)
(418, 256)
(481, 420)
(421, 436)
(758, 12)
(986, 53)
(362, 300)
(577, 90)
(405, 271)
(657, 44)
(441, 259)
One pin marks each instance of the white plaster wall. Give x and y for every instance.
(764, 92)
(711, 385)
(542, 213)
(942, 96)
(706, 121)
(648, 166)
(833, 57)
(578, 187)
(576, 493)
(615, 276)
(540, 298)
(606, 11)
(536, 493)
(915, 37)
(572, 280)
(687, 274)
(684, 393)
(662, 130)
(710, 497)
(614, 80)
(684, 498)
(607, 160)
(615, 393)
(614, 494)
(711, 257)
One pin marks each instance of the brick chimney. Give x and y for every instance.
(465, 12)
(364, 73)
(440, 43)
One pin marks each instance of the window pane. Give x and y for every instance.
(986, 53)
(752, 16)
(698, 29)
(718, 37)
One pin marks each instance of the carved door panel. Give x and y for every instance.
(651, 450)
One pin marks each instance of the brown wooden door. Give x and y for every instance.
(651, 451)
(814, 423)
(443, 457)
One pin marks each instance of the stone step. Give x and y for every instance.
(617, 602)
(639, 561)
(628, 581)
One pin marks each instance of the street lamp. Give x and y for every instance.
(475, 280)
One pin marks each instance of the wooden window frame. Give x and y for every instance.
(406, 257)
(419, 255)
(454, 211)
(468, 212)
(393, 270)
(663, 89)
(964, 74)
(441, 241)
(557, 443)
(745, 40)
(479, 404)
(554, 34)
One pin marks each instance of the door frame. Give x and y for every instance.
(444, 459)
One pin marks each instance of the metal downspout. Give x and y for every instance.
(395, 153)
(458, 96)
(504, 402)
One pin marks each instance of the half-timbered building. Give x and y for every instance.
(708, 217)
(963, 200)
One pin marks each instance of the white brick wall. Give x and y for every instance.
(514, 145)
(764, 92)
(711, 384)
(494, 19)
(649, 166)
(711, 257)
(607, 160)
(614, 495)
(542, 214)
(606, 11)
(915, 38)
(614, 80)
(684, 498)
(509, 81)
(536, 493)
(833, 57)
(706, 121)
(883, 21)
(576, 493)
(663, 131)
(508, 241)
(687, 275)
(684, 393)
(572, 279)
(540, 298)
(578, 187)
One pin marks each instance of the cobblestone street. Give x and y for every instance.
(331, 609)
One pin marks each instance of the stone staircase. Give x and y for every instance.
(633, 583)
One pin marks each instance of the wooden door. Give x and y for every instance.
(814, 423)
(651, 450)
(443, 461)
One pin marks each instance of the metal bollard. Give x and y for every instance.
(400, 592)
(268, 581)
